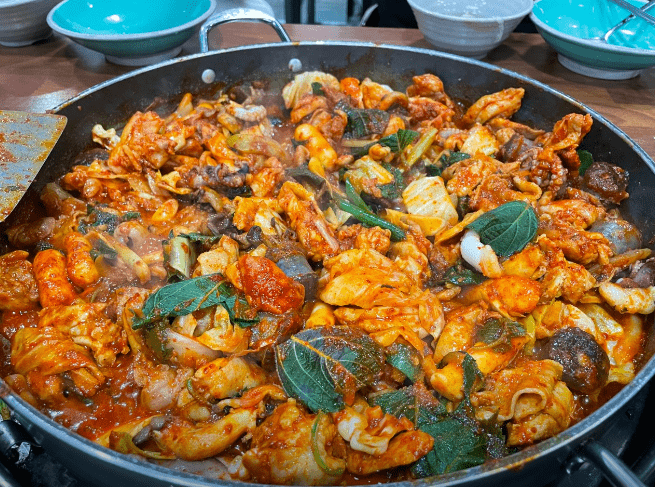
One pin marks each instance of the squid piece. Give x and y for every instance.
(368, 429)
(459, 329)
(628, 300)
(288, 445)
(51, 276)
(81, 269)
(404, 449)
(205, 440)
(502, 104)
(531, 397)
(307, 220)
(46, 351)
(359, 237)
(266, 286)
(226, 377)
(18, 287)
(87, 325)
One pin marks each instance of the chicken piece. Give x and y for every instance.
(431, 86)
(509, 295)
(302, 83)
(267, 288)
(52, 278)
(566, 136)
(87, 325)
(285, 449)
(322, 156)
(365, 278)
(160, 384)
(265, 177)
(421, 313)
(404, 449)
(350, 87)
(373, 93)
(262, 212)
(206, 439)
(578, 245)
(409, 258)
(226, 377)
(462, 177)
(529, 262)
(81, 269)
(459, 329)
(218, 258)
(142, 144)
(427, 109)
(359, 237)
(18, 287)
(307, 105)
(368, 429)
(307, 220)
(574, 212)
(563, 278)
(503, 104)
(628, 300)
(214, 330)
(46, 351)
(495, 190)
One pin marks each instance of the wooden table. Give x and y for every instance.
(41, 76)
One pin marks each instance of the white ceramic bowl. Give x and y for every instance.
(568, 26)
(468, 27)
(23, 22)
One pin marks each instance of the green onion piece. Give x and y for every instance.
(319, 451)
(354, 196)
(370, 219)
(422, 145)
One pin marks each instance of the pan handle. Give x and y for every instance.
(239, 15)
(613, 469)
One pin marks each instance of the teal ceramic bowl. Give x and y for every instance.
(569, 26)
(131, 32)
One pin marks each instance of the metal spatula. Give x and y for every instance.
(26, 139)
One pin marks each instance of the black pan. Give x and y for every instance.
(112, 102)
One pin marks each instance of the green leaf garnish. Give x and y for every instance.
(396, 142)
(447, 159)
(180, 298)
(508, 228)
(319, 366)
(497, 333)
(586, 160)
(395, 189)
(462, 276)
(317, 89)
(370, 219)
(364, 122)
(406, 359)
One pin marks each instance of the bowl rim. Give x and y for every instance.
(127, 37)
(477, 20)
(597, 45)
